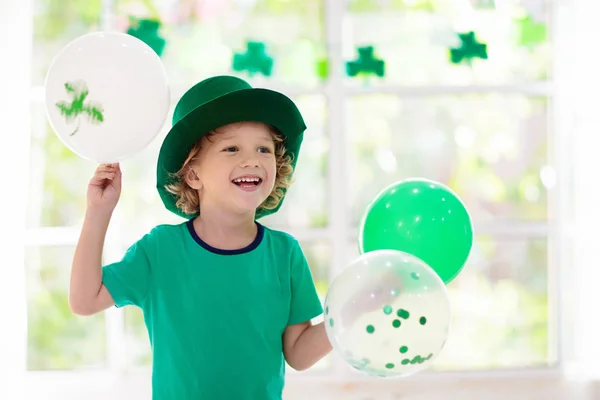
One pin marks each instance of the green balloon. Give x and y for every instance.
(423, 218)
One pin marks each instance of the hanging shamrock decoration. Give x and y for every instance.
(530, 32)
(254, 60)
(322, 68)
(147, 31)
(469, 49)
(366, 64)
(78, 91)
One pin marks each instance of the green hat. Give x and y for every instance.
(216, 102)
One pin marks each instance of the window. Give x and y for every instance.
(483, 129)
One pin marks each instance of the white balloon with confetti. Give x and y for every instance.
(388, 314)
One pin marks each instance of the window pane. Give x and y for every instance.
(56, 23)
(318, 254)
(140, 207)
(499, 305)
(58, 177)
(491, 149)
(57, 338)
(139, 353)
(414, 38)
(202, 37)
(305, 205)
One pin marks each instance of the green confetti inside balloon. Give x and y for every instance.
(370, 329)
(417, 360)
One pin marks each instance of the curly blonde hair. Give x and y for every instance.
(187, 197)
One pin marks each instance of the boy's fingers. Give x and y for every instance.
(107, 168)
(99, 176)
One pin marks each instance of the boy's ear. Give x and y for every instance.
(192, 179)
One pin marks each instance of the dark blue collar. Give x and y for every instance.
(259, 236)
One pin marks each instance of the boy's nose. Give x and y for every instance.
(250, 162)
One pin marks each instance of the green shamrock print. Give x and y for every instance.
(77, 108)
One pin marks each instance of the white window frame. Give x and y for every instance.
(14, 151)
(572, 292)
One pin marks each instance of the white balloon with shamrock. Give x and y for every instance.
(107, 96)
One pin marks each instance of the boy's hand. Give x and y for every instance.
(104, 188)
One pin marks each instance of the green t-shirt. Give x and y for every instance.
(215, 318)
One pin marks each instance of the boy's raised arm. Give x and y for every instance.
(87, 294)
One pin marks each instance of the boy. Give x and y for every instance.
(226, 301)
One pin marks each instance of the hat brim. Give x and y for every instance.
(257, 105)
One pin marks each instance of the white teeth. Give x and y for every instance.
(238, 180)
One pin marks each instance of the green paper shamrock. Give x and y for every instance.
(366, 64)
(147, 31)
(78, 91)
(254, 60)
(531, 32)
(468, 49)
(323, 68)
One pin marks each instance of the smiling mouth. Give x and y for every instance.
(247, 182)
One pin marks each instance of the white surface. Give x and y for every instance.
(513, 385)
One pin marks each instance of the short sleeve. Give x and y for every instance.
(128, 280)
(305, 303)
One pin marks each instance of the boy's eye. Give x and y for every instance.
(230, 149)
(264, 150)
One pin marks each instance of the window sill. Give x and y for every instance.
(515, 384)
